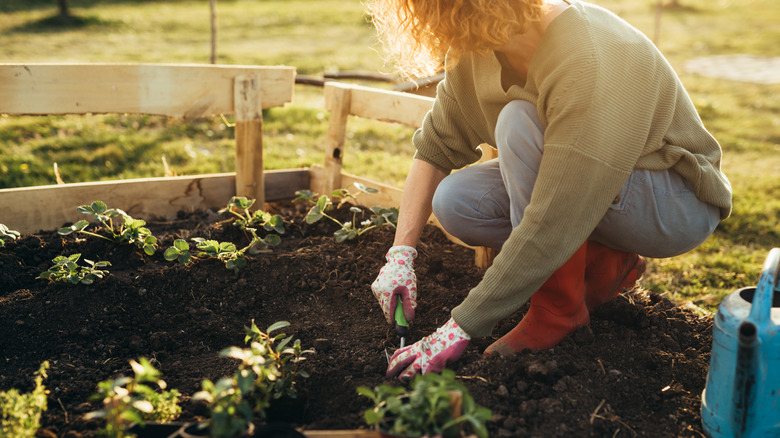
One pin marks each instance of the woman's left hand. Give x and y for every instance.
(430, 354)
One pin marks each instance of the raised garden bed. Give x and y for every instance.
(637, 371)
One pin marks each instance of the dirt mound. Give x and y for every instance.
(638, 370)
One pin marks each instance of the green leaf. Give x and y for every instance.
(184, 258)
(171, 254)
(314, 214)
(365, 189)
(371, 417)
(181, 245)
(322, 202)
(277, 325)
(272, 239)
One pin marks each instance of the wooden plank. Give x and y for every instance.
(338, 106)
(249, 137)
(31, 209)
(175, 90)
(383, 105)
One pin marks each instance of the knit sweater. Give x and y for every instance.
(610, 103)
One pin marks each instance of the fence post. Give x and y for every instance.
(250, 181)
(338, 98)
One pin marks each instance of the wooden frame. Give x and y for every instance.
(343, 100)
(189, 91)
(180, 91)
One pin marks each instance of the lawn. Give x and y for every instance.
(322, 36)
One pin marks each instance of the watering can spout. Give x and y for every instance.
(745, 376)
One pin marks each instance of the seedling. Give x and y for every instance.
(230, 411)
(239, 207)
(227, 252)
(7, 234)
(20, 413)
(134, 400)
(349, 230)
(284, 358)
(180, 251)
(66, 268)
(425, 410)
(126, 230)
(268, 370)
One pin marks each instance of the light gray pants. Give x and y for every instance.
(656, 213)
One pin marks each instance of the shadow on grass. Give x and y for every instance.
(64, 23)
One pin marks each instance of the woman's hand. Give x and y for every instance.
(396, 281)
(431, 353)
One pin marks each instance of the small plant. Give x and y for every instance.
(239, 207)
(66, 268)
(180, 251)
(268, 369)
(227, 252)
(426, 409)
(284, 358)
(230, 411)
(20, 414)
(134, 400)
(126, 230)
(349, 230)
(7, 234)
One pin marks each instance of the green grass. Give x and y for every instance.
(318, 36)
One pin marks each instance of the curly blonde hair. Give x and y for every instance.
(418, 33)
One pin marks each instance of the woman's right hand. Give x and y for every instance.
(396, 280)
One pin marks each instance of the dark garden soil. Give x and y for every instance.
(638, 370)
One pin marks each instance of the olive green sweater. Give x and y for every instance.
(610, 103)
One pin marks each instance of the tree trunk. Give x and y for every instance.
(63, 6)
(213, 31)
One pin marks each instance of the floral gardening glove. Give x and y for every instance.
(431, 353)
(397, 280)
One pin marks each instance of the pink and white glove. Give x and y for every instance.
(431, 353)
(397, 280)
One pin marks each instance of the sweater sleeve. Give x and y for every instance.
(598, 105)
(446, 139)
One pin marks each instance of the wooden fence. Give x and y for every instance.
(189, 91)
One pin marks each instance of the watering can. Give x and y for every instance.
(742, 394)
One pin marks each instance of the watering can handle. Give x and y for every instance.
(768, 282)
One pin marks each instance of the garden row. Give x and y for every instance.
(269, 367)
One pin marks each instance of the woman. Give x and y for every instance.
(601, 157)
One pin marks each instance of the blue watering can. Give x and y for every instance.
(742, 394)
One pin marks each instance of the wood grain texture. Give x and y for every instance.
(182, 90)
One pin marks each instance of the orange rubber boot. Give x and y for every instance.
(557, 309)
(608, 272)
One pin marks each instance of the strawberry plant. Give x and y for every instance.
(135, 400)
(268, 369)
(239, 207)
(425, 409)
(7, 234)
(322, 204)
(66, 268)
(20, 413)
(180, 251)
(125, 230)
(226, 252)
